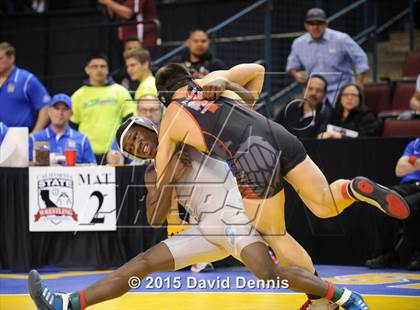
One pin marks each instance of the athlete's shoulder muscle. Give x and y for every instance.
(180, 126)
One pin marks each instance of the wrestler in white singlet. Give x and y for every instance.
(210, 194)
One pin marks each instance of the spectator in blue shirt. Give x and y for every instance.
(59, 132)
(385, 231)
(327, 52)
(408, 166)
(22, 96)
(3, 131)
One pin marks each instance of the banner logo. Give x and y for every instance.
(55, 199)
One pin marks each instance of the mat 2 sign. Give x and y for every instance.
(72, 199)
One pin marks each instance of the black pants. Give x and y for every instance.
(387, 231)
(411, 226)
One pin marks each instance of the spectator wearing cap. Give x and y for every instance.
(3, 131)
(58, 134)
(23, 98)
(327, 52)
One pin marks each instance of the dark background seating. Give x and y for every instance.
(378, 97)
(55, 45)
(402, 95)
(401, 128)
(411, 67)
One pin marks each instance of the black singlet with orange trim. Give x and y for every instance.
(259, 151)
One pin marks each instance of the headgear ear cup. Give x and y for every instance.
(125, 127)
(165, 97)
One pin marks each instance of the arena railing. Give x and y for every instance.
(284, 94)
(213, 32)
(259, 34)
(210, 32)
(369, 33)
(48, 32)
(264, 106)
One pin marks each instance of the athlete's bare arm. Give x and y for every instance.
(158, 202)
(215, 88)
(249, 76)
(178, 127)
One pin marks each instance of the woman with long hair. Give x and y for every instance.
(352, 113)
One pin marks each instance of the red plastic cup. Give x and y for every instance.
(70, 157)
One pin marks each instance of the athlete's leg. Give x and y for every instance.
(232, 231)
(187, 248)
(177, 252)
(289, 252)
(157, 258)
(267, 216)
(328, 200)
(323, 199)
(255, 255)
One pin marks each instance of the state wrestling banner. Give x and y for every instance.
(72, 198)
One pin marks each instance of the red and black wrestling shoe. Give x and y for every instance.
(385, 199)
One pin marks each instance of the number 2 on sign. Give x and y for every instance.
(96, 219)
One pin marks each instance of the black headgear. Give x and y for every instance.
(167, 90)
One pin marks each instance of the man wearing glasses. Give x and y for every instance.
(150, 107)
(327, 52)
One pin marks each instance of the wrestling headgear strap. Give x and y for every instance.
(167, 90)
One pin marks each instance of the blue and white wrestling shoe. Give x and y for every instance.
(43, 298)
(355, 302)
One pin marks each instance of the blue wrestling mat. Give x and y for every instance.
(393, 282)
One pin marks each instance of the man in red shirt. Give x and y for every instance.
(135, 10)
